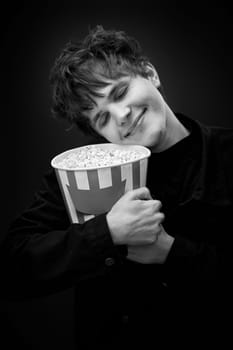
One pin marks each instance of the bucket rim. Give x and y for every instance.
(110, 145)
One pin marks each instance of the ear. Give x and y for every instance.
(152, 74)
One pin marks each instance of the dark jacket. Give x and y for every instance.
(120, 303)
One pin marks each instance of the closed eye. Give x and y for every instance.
(120, 93)
(103, 119)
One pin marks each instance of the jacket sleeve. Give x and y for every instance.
(43, 252)
(205, 260)
(206, 255)
(190, 261)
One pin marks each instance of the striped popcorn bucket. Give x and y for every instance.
(88, 192)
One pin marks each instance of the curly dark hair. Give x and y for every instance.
(84, 67)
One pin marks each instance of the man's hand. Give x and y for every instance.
(155, 253)
(135, 218)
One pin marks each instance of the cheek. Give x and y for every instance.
(156, 103)
(155, 124)
(156, 117)
(111, 133)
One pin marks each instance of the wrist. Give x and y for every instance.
(164, 243)
(112, 229)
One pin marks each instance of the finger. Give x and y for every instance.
(159, 217)
(142, 193)
(155, 204)
(154, 218)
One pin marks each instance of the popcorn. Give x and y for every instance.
(94, 156)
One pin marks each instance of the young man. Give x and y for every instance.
(158, 266)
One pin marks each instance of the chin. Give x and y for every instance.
(154, 139)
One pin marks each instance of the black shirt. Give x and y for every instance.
(126, 302)
(172, 173)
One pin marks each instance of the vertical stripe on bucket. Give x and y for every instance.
(79, 179)
(69, 178)
(116, 176)
(105, 177)
(136, 174)
(126, 174)
(93, 179)
(82, 180)
(69, 204)
(143, 171)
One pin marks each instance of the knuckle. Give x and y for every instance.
(158, 204)
(161, 216)
(147, 189)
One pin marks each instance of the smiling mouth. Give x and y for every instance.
(135, 124)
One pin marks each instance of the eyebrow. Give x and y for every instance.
(110, 96)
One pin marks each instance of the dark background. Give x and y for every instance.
(191, 47)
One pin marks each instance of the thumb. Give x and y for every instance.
(142, 193)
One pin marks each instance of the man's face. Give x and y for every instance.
(131, 111)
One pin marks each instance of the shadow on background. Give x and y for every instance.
(191, 49)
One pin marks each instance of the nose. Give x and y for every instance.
(120, 113)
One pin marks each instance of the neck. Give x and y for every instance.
(175, 131)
